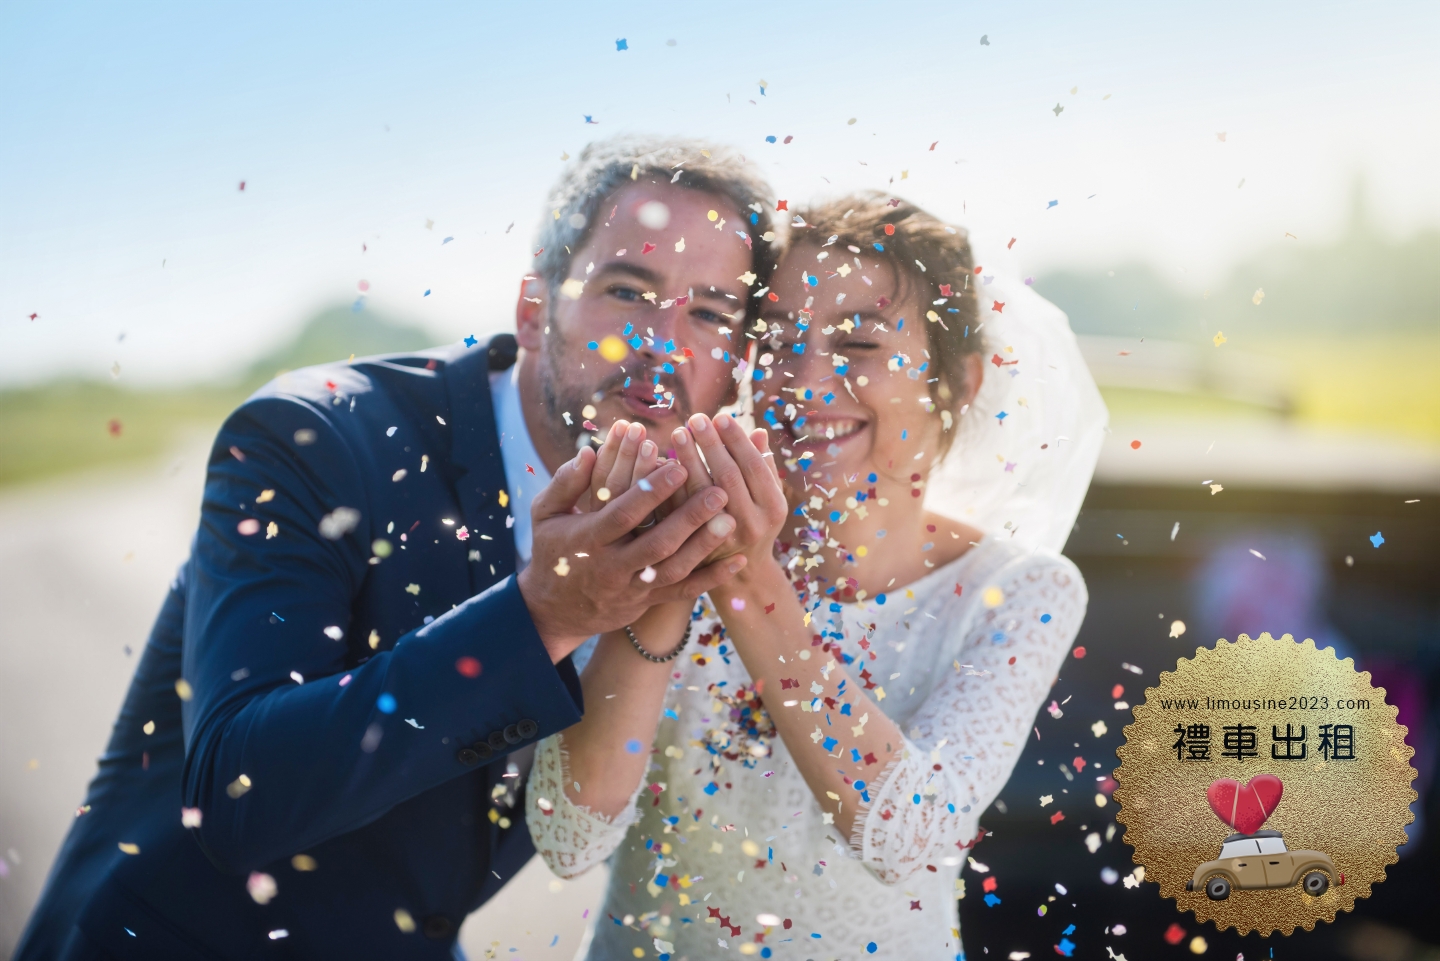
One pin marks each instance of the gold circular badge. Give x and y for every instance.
(1265, 784)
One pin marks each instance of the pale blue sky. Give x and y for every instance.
(125, 130)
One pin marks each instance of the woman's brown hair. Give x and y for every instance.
(931, 260)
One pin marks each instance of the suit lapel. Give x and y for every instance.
(475, 452)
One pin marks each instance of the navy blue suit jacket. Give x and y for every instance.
(304, 651)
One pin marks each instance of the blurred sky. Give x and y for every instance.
(125, 130)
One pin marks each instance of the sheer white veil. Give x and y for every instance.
(1026, 449)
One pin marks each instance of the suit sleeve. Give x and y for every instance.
(285, 747)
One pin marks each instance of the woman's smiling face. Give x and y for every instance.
(855, 398)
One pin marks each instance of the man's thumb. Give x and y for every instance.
(565, 488)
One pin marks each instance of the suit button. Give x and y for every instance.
(483, 751)
(436, 926)
(512, 734)
(466, 756)
(497, 740)
(527, 729)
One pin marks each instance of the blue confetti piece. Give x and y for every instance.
(592, 346)
(859, 785)
(555, 940)
(871, 948)
(770, 139)
(668, 367)
(471, 341)
(1377, 539)
(622, 44)
(834, 516)
(812, 280)
(828, 397)
(915, 799)
(385, 703)
(798, 349)
(873, 478)
(879, 247)
(711, 788)
(842, 370)
(669, 346)
(1044, 618)
(636, 342)
(1066, 948)
(991, 900)
(446, 241)
(629, 329)
(829, 744)
(427, 293)
(1068, 931)
(879, 598)
(900, 324)
(1052, 203)
(1001, 416)
(633, 746)
(277, 617)
(661, 880)
(758, 374)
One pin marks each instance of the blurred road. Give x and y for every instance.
(84, 563)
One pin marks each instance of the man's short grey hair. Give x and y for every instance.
(608, 165)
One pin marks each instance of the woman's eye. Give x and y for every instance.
(705, 316)
(625, 293)
(857, 345)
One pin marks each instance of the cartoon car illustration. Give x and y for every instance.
(1249, 862)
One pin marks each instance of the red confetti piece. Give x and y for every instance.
(990, 885)
(1174, 934)
(889, 230)
(114, 428)
(1010, 244)
(468, 666)
(932, 146)
(782, 205)
(773, 296)
(1134, 445)
(944, 290)
(998, 306)
(1079, 763)
(1117, 692)
(647, 248)
(882, 303)
(769, 607)
(1012, 660)
(1057, 817)
(1080, 652)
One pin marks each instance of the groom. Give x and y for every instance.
(321, 750)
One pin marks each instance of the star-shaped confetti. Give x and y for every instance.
(471, 341)
(622, 44)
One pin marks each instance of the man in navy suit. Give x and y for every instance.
(321, 750)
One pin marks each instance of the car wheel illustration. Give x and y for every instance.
(1218, 889)
(1316, 883)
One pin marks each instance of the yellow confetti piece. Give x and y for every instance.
(183, 689)
(504, 499)
(374, 640)
(562, 567)
(303, 862)
(149, 727)
(412, 588)
(712, 215)
(272, 530)
(1219, 338)
(861, 551)
(238, 787)
(266, 496)
(752, 850)
(404, 921)
(993, 597)
(572, 288)
(129, 848)
(613, 349)
(1259, 296)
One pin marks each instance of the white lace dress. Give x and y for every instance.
(726, 849)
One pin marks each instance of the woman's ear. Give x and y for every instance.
(974, 377)
(530, 313)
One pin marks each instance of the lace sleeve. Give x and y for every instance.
(972, 727)
(571, 839)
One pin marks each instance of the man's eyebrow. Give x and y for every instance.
(637, 271)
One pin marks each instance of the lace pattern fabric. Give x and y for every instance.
(968, 654)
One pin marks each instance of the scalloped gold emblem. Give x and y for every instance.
(1265, 784)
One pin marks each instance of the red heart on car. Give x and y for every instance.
(1245, 807)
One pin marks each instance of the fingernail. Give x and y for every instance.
(647, 449)
(714, 500)
(722, 421)
(617, 427)
(699, 423)
(635, 432)
(736, 564)
(680, 437)
(675, 476)
(721, 524)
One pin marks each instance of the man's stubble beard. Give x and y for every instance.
(560, 393)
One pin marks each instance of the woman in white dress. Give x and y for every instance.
(805, 779)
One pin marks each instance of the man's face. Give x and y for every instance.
(689, 345)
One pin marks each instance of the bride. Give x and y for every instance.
(796, 768)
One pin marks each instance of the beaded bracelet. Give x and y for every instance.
(635, 641)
